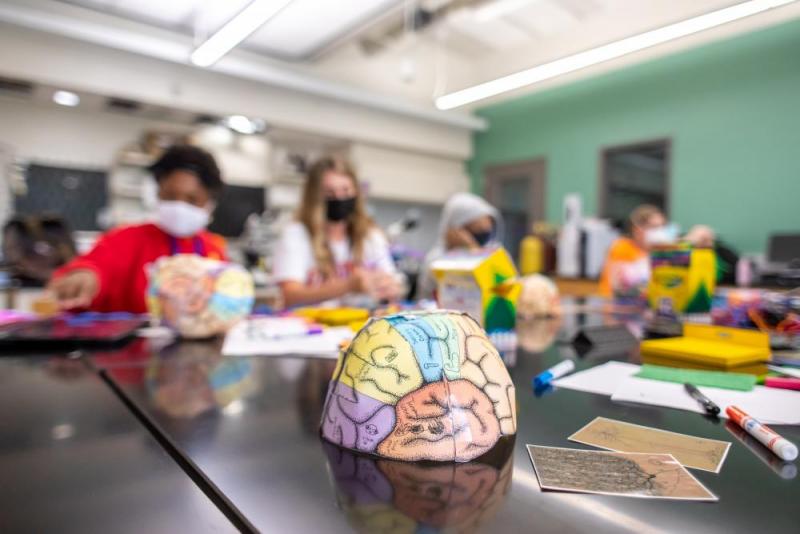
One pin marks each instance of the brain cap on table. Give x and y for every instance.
(420, 386)
(197, 296)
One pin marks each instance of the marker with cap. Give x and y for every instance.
(708, 404)
(785, 470)
(557, 371)
(783, 448)
(782, 382)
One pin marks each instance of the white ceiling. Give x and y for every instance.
(471, 42)
(299, 31)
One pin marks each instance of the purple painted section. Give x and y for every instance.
(355, 420)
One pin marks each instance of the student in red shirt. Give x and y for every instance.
(112, 276)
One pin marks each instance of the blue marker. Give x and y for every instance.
(557, 371)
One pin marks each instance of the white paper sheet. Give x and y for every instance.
(769, 405)
(242, 340)
(602, 379)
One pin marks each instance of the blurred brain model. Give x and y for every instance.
(538, 298)
(199, 297)
(420, 386)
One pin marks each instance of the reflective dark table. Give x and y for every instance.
(73, 458)
(251, 426)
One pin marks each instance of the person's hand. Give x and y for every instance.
(377, 284)
(76, 289)
(460, 238)
(385, 286)
(360, 281)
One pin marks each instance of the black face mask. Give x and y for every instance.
(482, 238)
(338, 209)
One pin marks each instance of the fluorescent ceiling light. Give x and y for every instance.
(498, 8)
(244, 125)
(604, 53)
(307, 27)
(66, 98)
(236, 30)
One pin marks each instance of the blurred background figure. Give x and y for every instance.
(34, 246)
(333, 248)
(112, 275)
(468, 223)
(627, 267)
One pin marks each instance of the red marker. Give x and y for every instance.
(783, 448)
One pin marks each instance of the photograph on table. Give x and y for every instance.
(618, 436)
(643, 475)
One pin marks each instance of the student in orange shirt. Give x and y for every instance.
(627, 265)
(113, 275)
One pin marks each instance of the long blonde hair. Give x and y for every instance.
(312, 213)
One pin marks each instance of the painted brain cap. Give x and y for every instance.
(420, 386)
(197, 296)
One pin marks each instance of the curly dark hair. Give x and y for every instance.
(193, 159)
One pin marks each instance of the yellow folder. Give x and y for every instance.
(711, 346)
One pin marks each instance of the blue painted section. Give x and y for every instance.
(420, 335)
(435, 342)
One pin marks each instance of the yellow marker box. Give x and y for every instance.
(482, 284)
(707, 346)
(682, 279)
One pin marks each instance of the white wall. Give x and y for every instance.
(75, 137)
(69, 136)
(408, 176)
(69, 63)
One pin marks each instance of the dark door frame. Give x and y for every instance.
(536, 168)
(602, 197)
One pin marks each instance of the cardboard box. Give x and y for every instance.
(482, 284)
(682, 279)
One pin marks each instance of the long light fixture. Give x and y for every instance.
(236, 30)
(498, 8)
(604, 53)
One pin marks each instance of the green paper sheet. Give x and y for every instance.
(715, 379)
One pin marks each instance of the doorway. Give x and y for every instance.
(634, 174)
(517, 190)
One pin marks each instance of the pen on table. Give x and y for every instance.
(783, 448)
(708, 404)
(557, 371)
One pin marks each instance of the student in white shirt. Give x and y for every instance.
(333, 248)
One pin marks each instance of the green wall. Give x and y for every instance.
(731, 108)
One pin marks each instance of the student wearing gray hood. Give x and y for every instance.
(468, 222)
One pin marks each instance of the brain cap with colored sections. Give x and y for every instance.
(420, 386)
(198, 297)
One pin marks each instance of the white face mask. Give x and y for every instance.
(663, 235)
(181, 219)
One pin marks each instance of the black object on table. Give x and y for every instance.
(66, 333)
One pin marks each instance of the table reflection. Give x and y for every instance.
(537, 334)
(379, 495)
(191, 378)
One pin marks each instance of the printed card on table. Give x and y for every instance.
(624, 474)
(691, 451)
